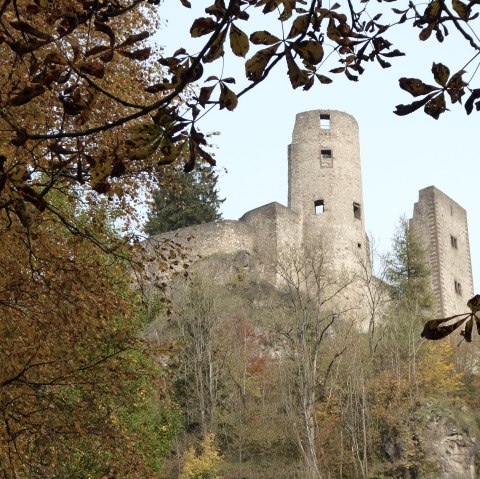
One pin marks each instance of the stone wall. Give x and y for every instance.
(441, 226)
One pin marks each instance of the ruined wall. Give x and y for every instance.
(441, 226)
(275, 229)
(224, 237)
(325, 210)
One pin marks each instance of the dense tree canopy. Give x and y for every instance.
(88, 100)
(184, 200)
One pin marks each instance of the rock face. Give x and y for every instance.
(451, 447)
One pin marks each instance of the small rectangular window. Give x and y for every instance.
(453, 242)
(319, 207)
(326, 154)
(324, 121)
(458, 288)
(357, 211)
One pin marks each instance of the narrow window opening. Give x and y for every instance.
(319, 207)
(326, 154)
(357, 211)
(453, 242)
(451, 210)
(458, 288)
(325, 121)
(359, 245)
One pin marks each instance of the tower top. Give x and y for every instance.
(312, 125)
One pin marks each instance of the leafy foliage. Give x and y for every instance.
(184, 200)
(407, 271)
(434, 330)
(72, 366)
(203, 465)
(84, 105)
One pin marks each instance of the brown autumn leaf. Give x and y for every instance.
(441, 73)
(474, 304)
(140, 54)
(263, 38)
(462, 9)
(474, 97)
(255, 66)
(298, 77)
(238, 41)
(299, 26)
(217, 48)
(416, 87)
(402, 110)
(218, 9)
(467, 332)
(433, 11)
(436, 106)
(311, 51)
(205, 94)
(26, 95)
(227, 98)
(30, 29)
(93, 68)
(104, 28)
(323, 79)
(96, 50)
(332, 31)
(456, 86)
(202, 26)
(426, 32)
(432, 329)
(132, 39)
(56, 58)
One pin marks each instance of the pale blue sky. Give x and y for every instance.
(400, 155)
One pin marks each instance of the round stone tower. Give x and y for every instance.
(325, 185)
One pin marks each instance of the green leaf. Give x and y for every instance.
(238, 41)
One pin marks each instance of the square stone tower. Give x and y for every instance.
(441, 227)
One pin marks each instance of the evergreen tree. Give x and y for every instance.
(408, 272)
(184, 199)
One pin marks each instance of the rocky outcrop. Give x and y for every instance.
(451, 445)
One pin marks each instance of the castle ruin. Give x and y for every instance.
(325, 208)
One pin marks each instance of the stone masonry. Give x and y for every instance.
(325, 209)
(441, 226)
